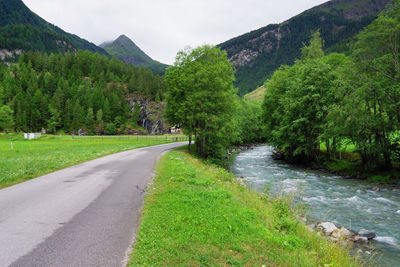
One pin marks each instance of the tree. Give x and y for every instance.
(248, 121)
(297, 102)
(106, 111)
(376, 87)
(90, 121)
(99, 122)
(314, 49)
(200, 98)
(76, 116)
(6, 118)
(54, 121)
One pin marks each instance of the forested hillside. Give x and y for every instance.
(126, 50)
(22, 30)
(256, 55)
(74, 91)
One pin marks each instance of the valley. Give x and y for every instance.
(138, 163)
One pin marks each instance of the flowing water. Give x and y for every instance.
(347, 202)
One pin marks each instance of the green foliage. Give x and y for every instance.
(111, 130)
(64, 92)
(377, 59)
(200, 98)
(248, 120)
(6, 118)
(297, 102)
(314, 49)
(198, 215)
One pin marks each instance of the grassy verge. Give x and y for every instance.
(198, 215)
(29, 159)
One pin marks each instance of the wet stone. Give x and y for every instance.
(367, 233)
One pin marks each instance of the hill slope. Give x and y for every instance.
(257, 94)
(23, 30)
(256, 55)
(126, 50)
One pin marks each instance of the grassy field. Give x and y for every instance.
(198, 215)
(21, 159)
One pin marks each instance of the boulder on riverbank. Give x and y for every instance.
(367, 233)
(278, 155)
(341, 234)
(326, 227)
(344, 235)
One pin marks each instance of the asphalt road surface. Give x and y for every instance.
(86, 215)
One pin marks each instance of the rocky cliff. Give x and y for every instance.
(151, 115)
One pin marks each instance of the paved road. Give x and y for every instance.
(86, 215)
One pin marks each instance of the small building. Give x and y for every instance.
(175, 130)
(31, 136)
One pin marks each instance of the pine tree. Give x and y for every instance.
(90, 122)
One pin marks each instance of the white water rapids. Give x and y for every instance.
(348, 202)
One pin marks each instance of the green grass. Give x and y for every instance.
(257, 94)
(197, 214)
(30, 159)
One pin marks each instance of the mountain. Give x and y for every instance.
(257, 54)
(22, 30)
(126, 50)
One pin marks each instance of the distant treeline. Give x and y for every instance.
(336, 99)
(73, 91)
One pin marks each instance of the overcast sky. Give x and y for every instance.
(162, 27)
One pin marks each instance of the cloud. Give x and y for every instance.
(160, 27)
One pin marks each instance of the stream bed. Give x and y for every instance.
(347, 202)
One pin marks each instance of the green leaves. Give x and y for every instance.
(297, 101)
(201, 96)
(6, 118)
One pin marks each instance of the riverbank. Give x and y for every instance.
(199, 214)
(350, 166)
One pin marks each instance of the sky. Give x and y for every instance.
(163, 27)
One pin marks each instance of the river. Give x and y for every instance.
(348, 202)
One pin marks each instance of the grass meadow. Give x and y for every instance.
(197, 214)
(21, 159)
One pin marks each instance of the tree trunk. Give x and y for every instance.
(190, 143)
(328, 148)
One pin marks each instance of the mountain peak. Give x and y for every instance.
(126, 50)
(127, 46)
(123, 37)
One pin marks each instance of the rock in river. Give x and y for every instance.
(368, 234)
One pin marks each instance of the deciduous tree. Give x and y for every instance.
(200, 98)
